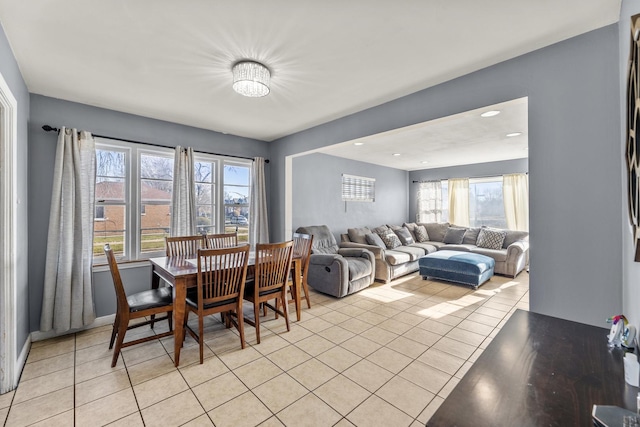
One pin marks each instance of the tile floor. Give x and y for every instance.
(388, 355)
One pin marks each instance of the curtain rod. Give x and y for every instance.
(471, 177)
(48, 128)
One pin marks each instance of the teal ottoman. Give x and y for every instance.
(455, 266)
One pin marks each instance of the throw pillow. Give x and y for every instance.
(491, 239)
(454, 235)
(375, 240)
(357, 235)
(421, 234)
(436, 230)
(380, 229)
(404, 236)
(411, 227)
(471, 236)
(390, 239)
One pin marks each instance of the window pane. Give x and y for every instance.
(156, 167)
(155, 191)
(203, 171)
(110, 163)
(236, 174)
(445, 200)
(110, 229)
(203, 194)
(110, 189)
(234, 195)
(486, 206)
(154, 226)
(205, 221)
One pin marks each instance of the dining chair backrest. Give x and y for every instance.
(273, 263)
(223, 240)
(221, 274)
(121, 296)
(302, 249)
(183, 245)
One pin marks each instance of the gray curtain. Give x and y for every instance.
(258, 220)
(68, 299)
(183, 203)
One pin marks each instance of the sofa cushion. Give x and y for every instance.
(500, 255)
(491, 239)
(375, 240)
(454, 235)
(380, 229)
(426, 247)
(394, 257)
(436, 230)
(357, 235)
(404, 236)
(358, 267)
(421, 234)
(461, 247)
(390, 239)
(471, 236)
(413, 251)
(436, 244)
(513, 236)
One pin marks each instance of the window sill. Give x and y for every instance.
(101, 266)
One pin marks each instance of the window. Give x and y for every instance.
(358, 188)
(134, 186)
(486, 206)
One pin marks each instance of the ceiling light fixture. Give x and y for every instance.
(509, 135)
(424, 162)
(358, 143)
(251, 79)
(490, 113)
(396, 154)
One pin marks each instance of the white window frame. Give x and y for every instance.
(358, 188)
(222, 211)
(216, 180)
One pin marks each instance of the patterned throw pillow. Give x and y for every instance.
(404, 236)
(390, 239)
(421, 234)
(491, 239)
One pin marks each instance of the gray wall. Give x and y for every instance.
(42, 146)
(574, 163)
(466, 171)
(317, 194)
(11, 74)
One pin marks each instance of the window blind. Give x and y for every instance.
(358, 188)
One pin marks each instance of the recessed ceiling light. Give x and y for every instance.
(424, 162)
(396, 154)
(509, 135)
(358, 143)
(490, 113)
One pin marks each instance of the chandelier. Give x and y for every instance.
(251, 79)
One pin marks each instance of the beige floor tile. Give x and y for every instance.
(435, 326)
(219, 390)
(317, 310)
(288, 357)
(339, 358)
(244, 410)
(372, 318)
(431, 408)
(43, 384)
(315, 345)
(356, 326)
(394, 326)
(279, 392)
(61, 420)
(475, 327)
(238, 357)
(422, 336)
(441, 360)
(196, 373)
(342, 394)
(101, 386)
(456, 348)
(309, 411)
(5, 399)
(376, 412)
(142, 352)
(108, 409)
(153, 391)
(312, 374)
(484, 319)
(335, 317)
(296, 334)
(257, 372)
(425, 376)
(498, 314)
(190, 355)
(133, 420)
(368, 375)
(89, 340)
(444, 392)
(344, 423)
(201, 421)
(389, 359)
(474, 356)
(447, 319)
(463, 369)
(272, 422)
(3, 415)
(150, 369)
(405, 396)
(408, 347)
(360, 346)
(270, 344)
(94, 353)
(409, 317)
(336, 334)
(315, 324)
(351, 310)
(47, 366)
(56, 340)
(41, 408)
(173, 411)
(51, 350)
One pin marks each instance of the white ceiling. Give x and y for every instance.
(171, 60)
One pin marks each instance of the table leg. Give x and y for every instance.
(297, 279)
(179, 300)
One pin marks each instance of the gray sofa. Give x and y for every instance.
(510, 259)
(334, 270)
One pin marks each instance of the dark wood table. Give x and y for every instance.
(539, 371)
(182, 274)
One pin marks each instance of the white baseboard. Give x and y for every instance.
(100, 321)
(22, 358)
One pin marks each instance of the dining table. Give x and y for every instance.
(181, 272)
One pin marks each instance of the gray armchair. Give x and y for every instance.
(337, 271)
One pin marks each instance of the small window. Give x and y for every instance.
(358, 188)
(99, 213)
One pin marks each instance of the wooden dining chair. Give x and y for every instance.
(135, 306)
(271, 274)
(183, 245)
(302, 250)
(221, 280)
(224, 240)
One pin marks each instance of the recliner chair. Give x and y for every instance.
(337, 271)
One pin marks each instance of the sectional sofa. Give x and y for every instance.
(393, 260)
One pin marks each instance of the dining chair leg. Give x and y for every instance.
(170, 320)
(114, 330)
(201, 336)
(122, 330)
(241, 327)
(286, 308)
(256, 314)
(305, 286)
